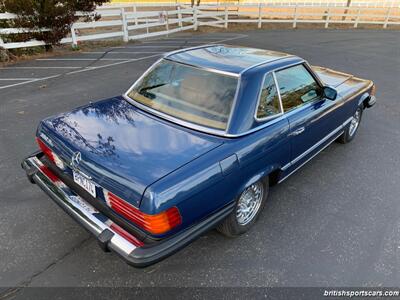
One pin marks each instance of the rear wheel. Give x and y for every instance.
(247, 209)
(351, 129)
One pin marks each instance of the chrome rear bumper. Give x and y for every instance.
(371, 101)
(77, 208)
(102, 227)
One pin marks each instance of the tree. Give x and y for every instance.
(49, 20)
(192, 2)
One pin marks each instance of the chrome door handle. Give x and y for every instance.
(297, 131)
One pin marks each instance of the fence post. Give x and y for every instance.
(178, 8)
(124, 25)
(357, 18)
(73, 36)
(387, 18)
(295, 17)
(195, 17)
(259, 15)
(328, 14)
(226, 16)
(135, 13)
(166, 22)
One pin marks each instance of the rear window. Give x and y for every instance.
(194, 95)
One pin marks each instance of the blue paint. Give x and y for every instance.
(155, 164)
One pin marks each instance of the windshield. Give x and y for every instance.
(198, 96)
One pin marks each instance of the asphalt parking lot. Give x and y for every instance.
(335, 222)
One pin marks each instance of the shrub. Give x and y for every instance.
(57, 16)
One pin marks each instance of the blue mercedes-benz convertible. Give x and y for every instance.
(194, 144)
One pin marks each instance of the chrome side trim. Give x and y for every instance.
(310, 158)
(265, 62)
(312, 148)
(189, 49)
(73, 205)
(236, 75)
(338, 131)
(288, 66)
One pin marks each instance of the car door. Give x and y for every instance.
(311, 117)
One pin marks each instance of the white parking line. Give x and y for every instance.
(16, 79)
(141, 46)
(239, 36)
(26, 82)
(125, 52)
(85, 69)
(113, 64)
(77, 59)
(183, 41)
(27, 68)
(192, 38)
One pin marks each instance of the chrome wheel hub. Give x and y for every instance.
(355, 121)
(249, 203)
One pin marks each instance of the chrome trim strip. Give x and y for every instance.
(259, 99)
(222, 133)
(302, 61)
(141, 77)
(315, 154)
(265, 62)
(258, 128)
(59, 192)
(225, 133)
(312, 148)
(236, 75)
(313, 73)
(175, 120)
(278, 90)
(228, 124)
(189, 49)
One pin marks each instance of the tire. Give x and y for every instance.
(352, 128)
(237, 223)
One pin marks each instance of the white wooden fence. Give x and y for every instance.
(128, 23)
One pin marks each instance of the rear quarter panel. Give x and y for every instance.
(214, 180)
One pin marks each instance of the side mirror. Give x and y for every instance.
(330, 93)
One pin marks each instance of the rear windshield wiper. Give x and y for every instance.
(151, 87)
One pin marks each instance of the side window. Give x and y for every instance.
(269, 101)
(297, 87)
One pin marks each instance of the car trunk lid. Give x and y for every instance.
(122, 148)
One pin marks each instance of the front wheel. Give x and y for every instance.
(351, 129)
(247, 209)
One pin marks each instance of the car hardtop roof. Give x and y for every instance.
(226, 58)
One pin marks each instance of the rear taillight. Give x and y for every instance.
(50, 154)
(155, 224)
(53, 177)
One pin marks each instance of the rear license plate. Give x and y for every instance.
(85, 183)
(87, 207)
